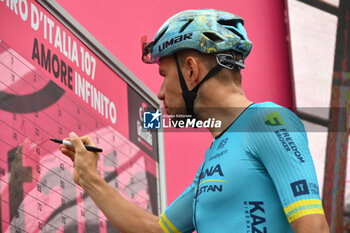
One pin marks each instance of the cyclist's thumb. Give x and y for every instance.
(77, 143)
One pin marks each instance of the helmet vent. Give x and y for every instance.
(212, 36)
(160, 35)
(231, 25)
(185, 25)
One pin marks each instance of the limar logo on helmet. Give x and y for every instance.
(175, 40)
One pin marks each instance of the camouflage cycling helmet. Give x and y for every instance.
(206, 30)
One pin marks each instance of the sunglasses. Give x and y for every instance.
(147, 51)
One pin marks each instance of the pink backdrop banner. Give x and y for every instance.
(51, 84)
(54, 50)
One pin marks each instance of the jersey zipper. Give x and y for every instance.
(195, 200)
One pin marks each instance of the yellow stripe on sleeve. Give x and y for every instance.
(164, 218)
(304, 207)
(302, 203)
(302, 213)
(165, 229)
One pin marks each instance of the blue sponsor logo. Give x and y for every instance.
(209, 188)
(300, 188)
(151, 120)
(222, 143)
(288, 144)
(216, 187)
(218, 155)
(212, 171)
(255, 216)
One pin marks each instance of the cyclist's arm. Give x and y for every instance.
(178, 217)
(280, 143)
(123, 214)
(315, 223)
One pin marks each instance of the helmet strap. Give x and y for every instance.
(190, 95)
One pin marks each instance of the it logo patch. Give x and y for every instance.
(299, 188)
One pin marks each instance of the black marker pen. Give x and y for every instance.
(68, 143)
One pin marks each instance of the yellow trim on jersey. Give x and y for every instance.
(165, 229)
(302, 213)
(304, 207)
(302, 203)
(163, 218)
(210, 180)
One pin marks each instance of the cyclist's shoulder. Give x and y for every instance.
(269, 115)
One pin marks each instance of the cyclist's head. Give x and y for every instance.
(205, 30)
(217, 36)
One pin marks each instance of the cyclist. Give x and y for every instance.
(258, 174)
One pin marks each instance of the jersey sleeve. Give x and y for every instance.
(178, 216)
(277, 138)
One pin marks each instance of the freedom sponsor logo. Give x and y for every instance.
(288, 144)
(274, 119)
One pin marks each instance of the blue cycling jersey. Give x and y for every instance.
(257, 177)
